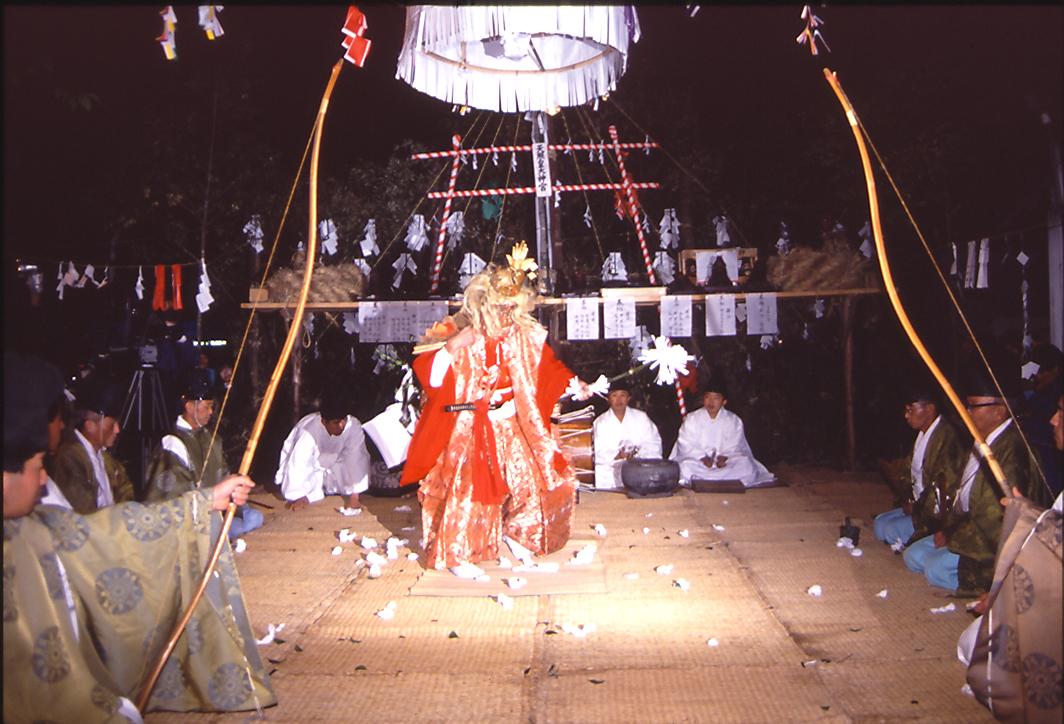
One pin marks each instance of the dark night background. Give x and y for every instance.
(106, 148)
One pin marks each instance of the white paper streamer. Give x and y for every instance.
(953, 266)
(587, 217)
(208, 20)
(204, 299)
(982, 281)
(721, 225)
(405, 263)
(455, 229)
(369, 239)
(416, 235)
(669, 230)
(471, 266)
(969, 267)
(867, 247)
(253, 233)
(138, 288)
(665, 267)
(783, 243)
(350, 322)
(613, 269)
(327, 234)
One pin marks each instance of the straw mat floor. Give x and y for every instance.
(747, 561)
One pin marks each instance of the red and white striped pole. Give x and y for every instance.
(437, 266)
(633, 209)
(679, 398)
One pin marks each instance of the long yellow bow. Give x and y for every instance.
(294, 331)
(892, 292)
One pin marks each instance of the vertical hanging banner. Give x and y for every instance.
(582, 318)
(761, 314)
(676, 316)
(720, 315)
(618, 318)
(981, 277)
(541, 169)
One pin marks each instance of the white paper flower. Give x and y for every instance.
(240, 546)
(600, 529)
(815, 590)
(664, 569)
(856, 552)
(882, 594)
(668, 359)
(337, 550)
(684, 533)
(683, 584)
(388, 612)
(712, 643)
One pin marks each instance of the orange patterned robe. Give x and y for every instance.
(484, 474)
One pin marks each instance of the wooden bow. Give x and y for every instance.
(294, 331)
(892, 292)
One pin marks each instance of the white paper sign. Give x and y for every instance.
(402, 324)
(969, 266)
(428, 313)
(618, 318)
(704, 263)
(541, 169)
(676, 316)
(720, 315)
(371, 321)
(761, 314)
(582, 318)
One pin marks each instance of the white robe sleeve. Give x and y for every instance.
(688, 444)
(650, 439)
(440, 364)
(303, 474)
(354, 462)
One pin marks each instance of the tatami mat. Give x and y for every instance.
(781, 655)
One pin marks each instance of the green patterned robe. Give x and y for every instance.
(944, 460)
(974, 535)
(72, 471)
(169, 476)
(132, 569)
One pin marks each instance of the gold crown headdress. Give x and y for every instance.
(508, 281)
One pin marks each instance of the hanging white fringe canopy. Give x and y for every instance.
(516, 58)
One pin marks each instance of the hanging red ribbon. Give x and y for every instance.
(175, 274)
(158, 301)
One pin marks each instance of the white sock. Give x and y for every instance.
(468, 570)
(520, 552)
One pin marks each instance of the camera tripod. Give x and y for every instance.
(145, 413)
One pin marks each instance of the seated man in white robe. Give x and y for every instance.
(712, 444)
(325, 454)
(621, 433)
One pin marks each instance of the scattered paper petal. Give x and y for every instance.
(272, 632)
(402, 509)
(369, 543)
(503, 600)
(646, 531)
(346, 535)
(349, 511)
(388, 612)
(897, 546)
(411, 556)
(579, 630)
(505, 562)
(584, 556)
(649, 515)
(712, 643)
(815, 590)
(882, 594)
(844, 542)
(810, 663)
(718, 527)
(664, 569)
(684, 533)
(683, 584)
(240, 546)
(631, 576)
(944, 609)
(856, 552)
(600, 529)
(724, 502)
(337, 550)
(407, 529)
(374, 571)
(376, 559)
(516, 583)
